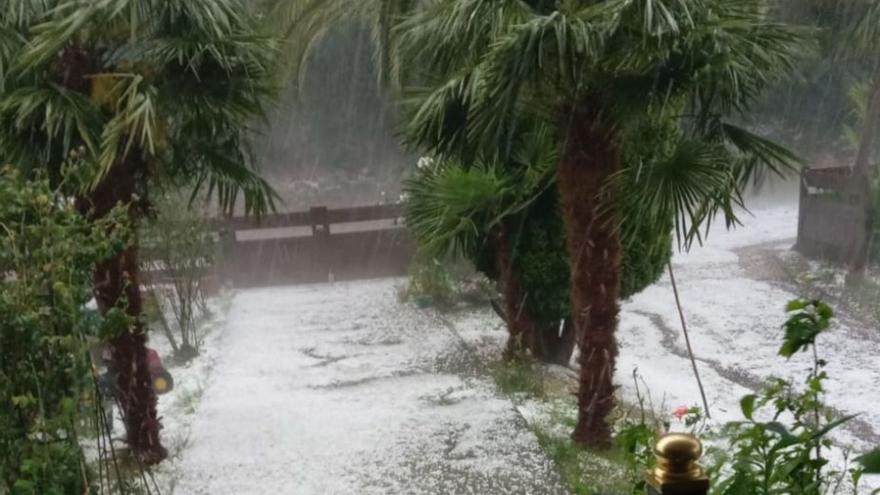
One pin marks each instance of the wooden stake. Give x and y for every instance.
(687, 340)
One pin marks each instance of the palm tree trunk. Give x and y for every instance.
(116, 279)
(117, 284)
(865, 175)
(558, 343)
(521, 325)
(590, 156)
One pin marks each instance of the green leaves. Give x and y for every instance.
(450, 208)
(747, 405)
(166, 85)
(48, 252)
(870, 462)
(807, 319)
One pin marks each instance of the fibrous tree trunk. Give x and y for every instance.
(116, 280)
(865, 174)
(558, 341)
(550, 342)
(116, 285)
(590, 156)
(521, 325)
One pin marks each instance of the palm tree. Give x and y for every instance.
(592, 70)
(118, 93)
(505, 219)
(861, 43)
(302, 23)
(479, 211)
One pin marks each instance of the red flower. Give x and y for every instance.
(681, 412)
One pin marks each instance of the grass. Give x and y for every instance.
(584, 471)
(189, 399)
(520, 376)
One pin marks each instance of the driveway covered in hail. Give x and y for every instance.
(339, 388)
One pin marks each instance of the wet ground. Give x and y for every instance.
(341, 389)
(734, 290)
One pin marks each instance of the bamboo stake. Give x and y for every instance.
(687, 340)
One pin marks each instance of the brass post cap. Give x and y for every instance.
(677, 470)
(679, 447)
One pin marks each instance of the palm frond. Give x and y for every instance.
(134, 121)
(450, 208)
(690, 186)
(63, 117)
(442, 36)
(223, 174)
(303, 23)
(865, 37)
(555, 50)
(438, 117)
(761, 157)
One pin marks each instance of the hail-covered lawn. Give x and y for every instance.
(342, 389)
(734, 289)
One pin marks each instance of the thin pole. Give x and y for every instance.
(687, 339)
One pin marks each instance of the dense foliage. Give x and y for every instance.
(174, 84)
(782, 445)
(47, 253)
(137, 89)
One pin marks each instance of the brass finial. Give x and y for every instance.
(677, 471)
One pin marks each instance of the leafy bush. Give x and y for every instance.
(538, 238)
(430, 283)
(786, 454)
(47, 254)
(184, 248)
(781, 445)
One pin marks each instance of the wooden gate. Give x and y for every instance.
(318, 245)
(830, 220)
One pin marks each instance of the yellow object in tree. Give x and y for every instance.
(103, 86)
(160, 385)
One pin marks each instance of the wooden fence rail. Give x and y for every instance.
(317, 245)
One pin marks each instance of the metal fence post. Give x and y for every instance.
(677, 471)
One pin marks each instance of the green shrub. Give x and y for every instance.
(781, 446)
(47, 254)
(783, 450)
(542, 257)
(430, 283)
(181, 243)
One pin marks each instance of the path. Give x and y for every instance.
(333, 389)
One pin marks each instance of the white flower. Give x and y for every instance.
(425, 162)
(404, 197)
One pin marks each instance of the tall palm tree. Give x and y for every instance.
(861, 43)
(591, 69)
(302, 23)
(117, 93)
(505, 218)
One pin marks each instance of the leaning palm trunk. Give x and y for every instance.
(549, 342)
(521, 325)
(117, 284)
(590, 157)
(865, 174)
